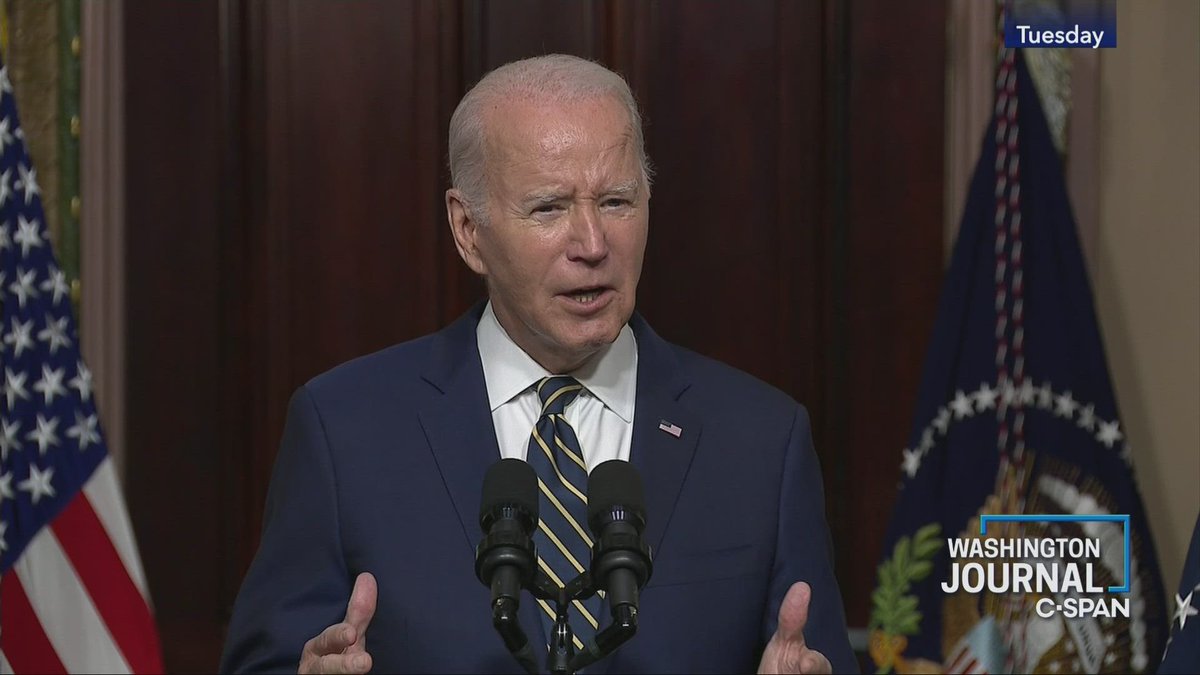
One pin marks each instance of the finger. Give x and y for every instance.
(344, 663)
(814, 662)
(361, 607)
(332, 640)
(793, 612)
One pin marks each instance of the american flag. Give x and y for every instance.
(72, 593)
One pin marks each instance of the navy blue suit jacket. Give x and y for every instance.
(380, 470)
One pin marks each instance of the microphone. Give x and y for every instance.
(621, 561)
(505, 559)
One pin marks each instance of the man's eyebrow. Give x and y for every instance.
(551, 195)
(545, 196)
(627, 187)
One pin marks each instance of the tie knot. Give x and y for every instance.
(557, 392)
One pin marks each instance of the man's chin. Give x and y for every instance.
(585, 348)
(578, 348)
(597, 334)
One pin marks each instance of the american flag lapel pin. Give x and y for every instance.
(670, 428)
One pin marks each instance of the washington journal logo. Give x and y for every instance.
(1066, 572)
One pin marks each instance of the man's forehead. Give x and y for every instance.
(537, 144)
(548, 126)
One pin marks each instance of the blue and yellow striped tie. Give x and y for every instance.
(563, 541)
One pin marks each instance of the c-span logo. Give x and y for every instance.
(1079, 26)
(1061, 571)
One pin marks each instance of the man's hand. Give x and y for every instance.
(342, 648)
(787, 652)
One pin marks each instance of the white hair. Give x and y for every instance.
(558, 78)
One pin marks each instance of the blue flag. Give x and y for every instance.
(1183, 647)
(1016, 416)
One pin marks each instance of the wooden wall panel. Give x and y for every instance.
(893, 261)
(497, 33)
(734, 127)
(350, 136)
(173, 315)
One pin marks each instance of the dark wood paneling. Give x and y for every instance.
(893, 259)
(499, 32)
(350, 135)
(173, 318)
(735, 208)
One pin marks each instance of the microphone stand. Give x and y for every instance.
(623, 627)
(562, 658)
(562, 642)
(508, 625)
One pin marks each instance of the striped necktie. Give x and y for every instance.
(563, 542)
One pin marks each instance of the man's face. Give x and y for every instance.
(568, 209)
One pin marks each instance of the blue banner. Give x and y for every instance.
(1078, 26)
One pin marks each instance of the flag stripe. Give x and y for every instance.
(78, 634)
(103, 574)
(104, 494)
(957, 658)
(23, 636)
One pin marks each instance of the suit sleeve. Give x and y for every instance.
(298, 583)
(804, 552)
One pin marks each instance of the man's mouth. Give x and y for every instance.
(587, 295)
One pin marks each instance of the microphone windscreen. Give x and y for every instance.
(510, 482)
(615, 483)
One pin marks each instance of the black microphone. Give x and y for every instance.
(621, 561)
(505, 559)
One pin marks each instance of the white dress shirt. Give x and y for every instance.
(602, 414)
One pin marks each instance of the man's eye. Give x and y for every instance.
(615, 203)
(546, 208)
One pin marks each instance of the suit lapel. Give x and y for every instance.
(662, 458)
(458, 423)
(462, 437)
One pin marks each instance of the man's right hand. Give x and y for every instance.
(342, 648)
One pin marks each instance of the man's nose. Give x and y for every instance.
(588, 240)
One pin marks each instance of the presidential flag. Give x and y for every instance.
(1183, 646)
(72, 593)
(1015, 415)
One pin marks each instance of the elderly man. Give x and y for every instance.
(367, 549)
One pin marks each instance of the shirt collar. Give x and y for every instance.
(610, 375)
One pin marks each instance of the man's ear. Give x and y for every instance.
(465, 228)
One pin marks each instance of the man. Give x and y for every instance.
(367, 549)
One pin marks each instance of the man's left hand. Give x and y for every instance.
(787, 651)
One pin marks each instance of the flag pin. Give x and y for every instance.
(670, 428)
